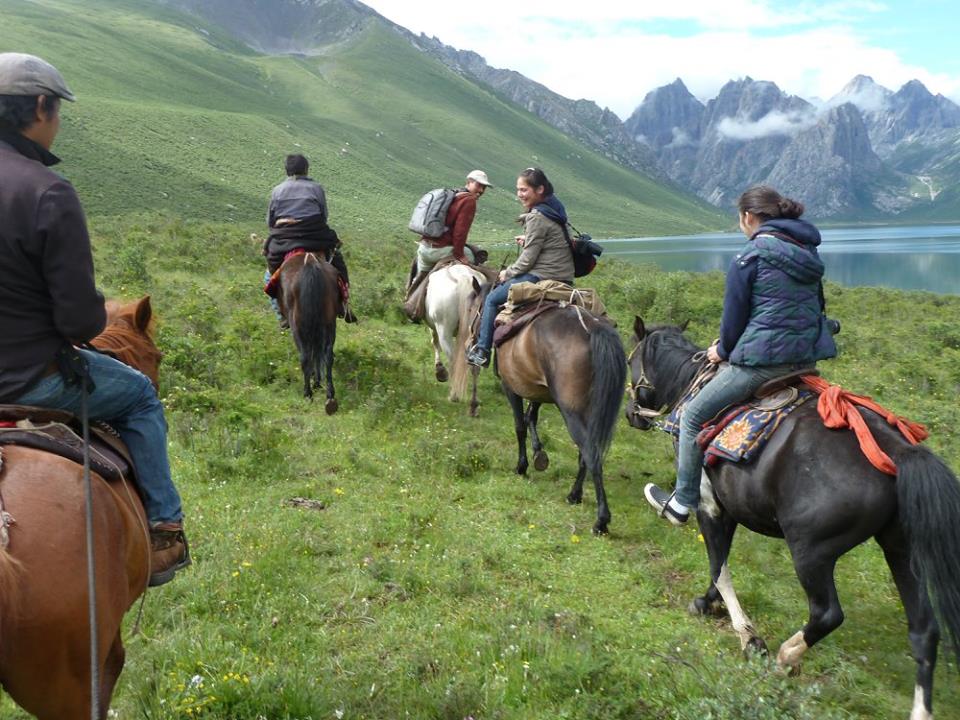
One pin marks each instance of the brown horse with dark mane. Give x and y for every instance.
(572, 359)
(310, 299)
(44, 630)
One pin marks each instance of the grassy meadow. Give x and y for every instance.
(427, 580)
(386, 562)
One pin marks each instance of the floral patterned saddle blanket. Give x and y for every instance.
(739, 432)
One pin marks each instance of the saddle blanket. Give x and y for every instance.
(273, 284)
(740, 432)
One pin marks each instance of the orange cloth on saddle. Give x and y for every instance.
(273, 284)
(838, 410)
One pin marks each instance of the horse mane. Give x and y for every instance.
(128, 335)
(668, 353)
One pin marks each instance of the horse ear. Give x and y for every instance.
(143, 314)
(683, 325)
(476, 285)
(638, 329)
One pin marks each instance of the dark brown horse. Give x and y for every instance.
(813, 487)
(310, 299)
(44, 631)
(569, 358)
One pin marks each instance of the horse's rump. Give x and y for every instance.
(549, 360)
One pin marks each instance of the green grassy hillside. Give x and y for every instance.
(170, 118)
(428, 580)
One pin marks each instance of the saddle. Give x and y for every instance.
(739, 432)
(60, 432)
(527, 301)
(415, 304)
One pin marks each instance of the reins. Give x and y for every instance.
(705, 372)
(85, 387)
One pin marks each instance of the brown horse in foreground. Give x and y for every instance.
(44, 630)
(576, 361)
(310, 299)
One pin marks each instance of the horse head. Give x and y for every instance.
(660, 370)
(128, 336)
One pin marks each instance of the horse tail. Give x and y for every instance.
(928, 496)
(312, 328)
(459, 371)
(609, 363)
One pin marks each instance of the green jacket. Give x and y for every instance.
(546, 252)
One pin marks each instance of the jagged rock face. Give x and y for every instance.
(857, 155)
(744, 132)
(668, 116)
(830, 165)
(282, 27)
(911, 112)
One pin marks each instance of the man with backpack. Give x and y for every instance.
(461, 206)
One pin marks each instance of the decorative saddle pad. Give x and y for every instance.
(740, 432)
(57, 432)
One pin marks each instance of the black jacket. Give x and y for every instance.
(48, 296)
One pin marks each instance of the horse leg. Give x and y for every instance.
(474, 403)
(540, 460)
(520, 427)
(439, 370)
(815, 570)
(331, 405)
(575, 496)
(306, 367)
(718, 537)
(921, 623)
(111, 672)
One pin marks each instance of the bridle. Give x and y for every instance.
(704, 372)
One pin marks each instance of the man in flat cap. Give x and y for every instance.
(49, 302)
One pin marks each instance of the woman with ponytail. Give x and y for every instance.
(773, 324)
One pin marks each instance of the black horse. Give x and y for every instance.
(570, 358)
(813, 487)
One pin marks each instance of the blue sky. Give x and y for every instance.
(616, 52)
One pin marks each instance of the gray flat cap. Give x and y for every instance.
(22, 74)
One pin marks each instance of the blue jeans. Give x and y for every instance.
(496, 298)
(731, 384)
(274, 303)
(125, 398)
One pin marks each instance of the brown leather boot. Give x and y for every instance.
(169, 552)
(412, 303)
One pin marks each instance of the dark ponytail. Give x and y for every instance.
(535, 177)
(767, 204)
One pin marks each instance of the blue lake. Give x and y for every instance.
(924, 257)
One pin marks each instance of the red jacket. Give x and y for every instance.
(459, 219)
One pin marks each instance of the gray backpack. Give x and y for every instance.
(430, 215)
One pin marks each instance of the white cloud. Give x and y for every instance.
(773, 123)
(681, 138)
(609, 52)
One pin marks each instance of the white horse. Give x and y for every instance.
(447, 295)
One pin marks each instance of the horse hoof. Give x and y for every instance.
(331, 406)
(702, 608)
(574, 499)
(474, 410)
(599, 529)
(540, 460)
(756, 647)
(441, 373)
(522, 468)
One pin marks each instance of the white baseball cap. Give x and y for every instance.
(479, 176)
(22, 74)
